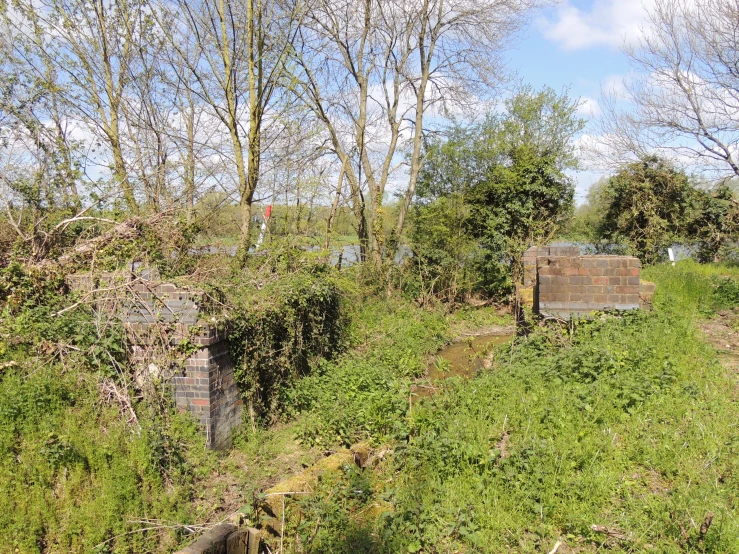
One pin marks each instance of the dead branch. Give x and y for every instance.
(129, 229)
(112, 393)
(706, 525)
(610, 532)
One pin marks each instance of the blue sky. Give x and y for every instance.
(577, 44)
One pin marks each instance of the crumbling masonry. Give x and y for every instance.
(204, 385)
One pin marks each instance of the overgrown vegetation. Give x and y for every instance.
(143, 137)
(489, 191)
(280, 331)
(77, 473)
(606, 435)
(650, 205)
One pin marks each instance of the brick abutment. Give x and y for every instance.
(157, 318)
(560, 282)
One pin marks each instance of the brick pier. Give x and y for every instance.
(560, 282)
(205, 385)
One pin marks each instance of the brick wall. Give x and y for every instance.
(579, 285)
(531, 256)
(207, 389)
(558, 281)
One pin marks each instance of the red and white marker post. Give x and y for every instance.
(267, 213)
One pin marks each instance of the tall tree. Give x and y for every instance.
(371, 72)
(232, 58)
(92, 47)
(684, 101)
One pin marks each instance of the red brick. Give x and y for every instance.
(634, 272)
(623, 289)
(200, 402)
(600, 280)
(614, 281)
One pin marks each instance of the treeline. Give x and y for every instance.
(140, 106)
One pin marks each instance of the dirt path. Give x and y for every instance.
(722, 332)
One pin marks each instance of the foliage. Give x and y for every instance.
(649, 205)
(364, 394)
(280, 330)
(75, 475)
(611, 422)
(442, 248)
(343, 495)
(586, 221)
(501, 185)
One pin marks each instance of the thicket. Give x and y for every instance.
(282, 323)
(649, 205)
(489, 191)
(77, 473)
(616, 433)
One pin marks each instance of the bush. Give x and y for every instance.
(281, 331)
(75, 474)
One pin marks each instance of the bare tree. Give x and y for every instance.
(231, 57)
(92, 47)
(684, 102)
(373, 69)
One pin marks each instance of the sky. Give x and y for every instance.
(578, 44)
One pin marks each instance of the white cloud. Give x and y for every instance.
(607, 23)
(588, 107)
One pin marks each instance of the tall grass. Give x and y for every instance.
(628, 424)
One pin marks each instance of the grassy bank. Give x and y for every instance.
(620, 434)
(80, 469)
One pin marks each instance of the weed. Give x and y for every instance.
(626, 424)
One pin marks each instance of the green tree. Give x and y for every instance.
(650, 204)
(585, 223)
(510, 173)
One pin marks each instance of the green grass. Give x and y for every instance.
(75, 475)
(629, 423)
(364, 394)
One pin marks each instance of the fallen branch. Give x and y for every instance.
(556, 547)
(126, 230)
(706, 525)
(111, 392)
(609, 532)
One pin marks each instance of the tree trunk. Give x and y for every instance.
(335, 205)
